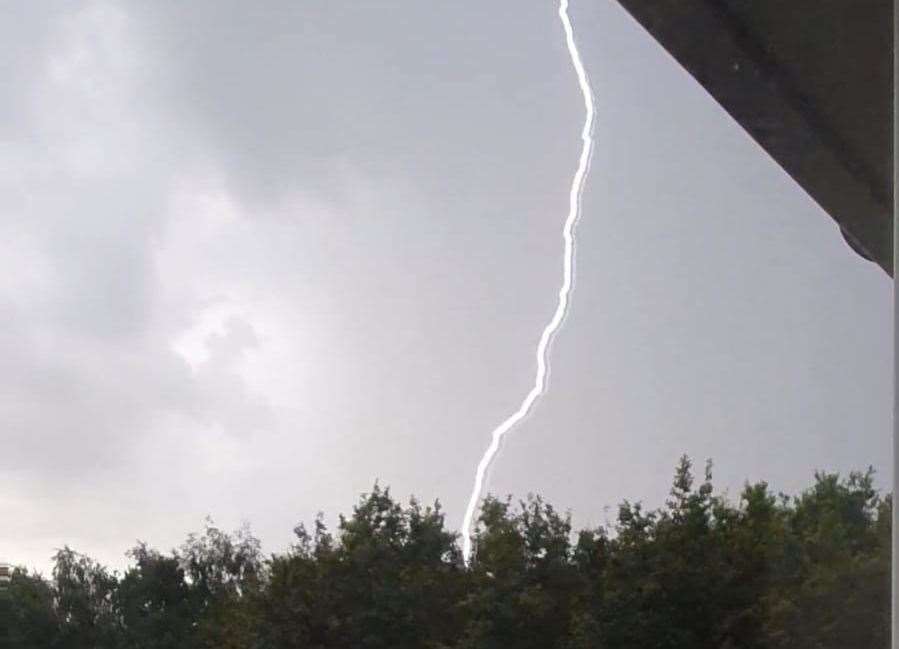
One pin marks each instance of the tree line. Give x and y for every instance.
(767, 571)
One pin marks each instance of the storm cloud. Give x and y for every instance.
(255, 257)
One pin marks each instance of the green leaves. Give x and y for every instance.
(768, 571)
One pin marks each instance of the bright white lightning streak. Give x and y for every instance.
(574, 210)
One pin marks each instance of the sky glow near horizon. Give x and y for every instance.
(256, 257)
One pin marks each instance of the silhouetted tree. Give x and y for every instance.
(155, 603)
(769, 571)
(392, 579)
(29, 618)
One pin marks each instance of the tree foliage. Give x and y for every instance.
(768, 571)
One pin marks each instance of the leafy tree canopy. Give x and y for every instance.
(766, 571)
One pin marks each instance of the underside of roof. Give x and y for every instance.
(811, 82)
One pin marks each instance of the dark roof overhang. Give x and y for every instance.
(811, 82)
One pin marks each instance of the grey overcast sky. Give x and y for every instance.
(257, 255)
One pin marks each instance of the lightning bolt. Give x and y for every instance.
(574, 210)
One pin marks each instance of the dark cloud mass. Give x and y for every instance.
(255, 256)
